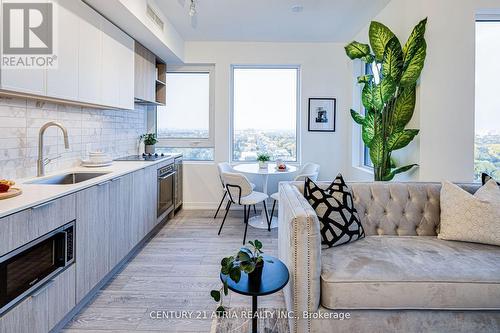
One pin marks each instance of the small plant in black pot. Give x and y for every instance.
(249, 261)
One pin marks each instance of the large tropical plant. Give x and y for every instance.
(388, 94)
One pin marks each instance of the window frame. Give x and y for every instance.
(365, 152)
(481, 16)
(297, 111)
(193, 142)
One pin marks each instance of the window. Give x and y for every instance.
(265, 102)
(487, 108)
(185, 123)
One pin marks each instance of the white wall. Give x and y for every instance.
(445, 110)
(445, 99)
(324, 72)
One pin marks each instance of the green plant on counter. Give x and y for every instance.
(246, 260)
(149, 139)
(263, 157)
(389, 93)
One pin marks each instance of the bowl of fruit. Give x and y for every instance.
(281, 167)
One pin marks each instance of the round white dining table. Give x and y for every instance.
(253, 169)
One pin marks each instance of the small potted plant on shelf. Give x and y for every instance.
(149, 142)
(263, 159)
(249, 261)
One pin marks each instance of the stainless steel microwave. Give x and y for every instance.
(29, 267)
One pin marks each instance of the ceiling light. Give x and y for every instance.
(192, 9)
(297, 8)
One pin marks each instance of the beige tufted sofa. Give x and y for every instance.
(400, 278)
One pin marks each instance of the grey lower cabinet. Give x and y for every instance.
(45, 308)
(144, 203)
(92, 230)
(120, 198)
(112, 218)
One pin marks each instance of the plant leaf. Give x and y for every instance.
(365, 78)
(247, 267)
(376, 149)
(356, 50)
(243, 257)
(357, 117)
(394, 172)
(235, 274)
(403, 108)
(401, 139)
(368, 130)
(367, 95)
(215, 295)
(258, 244)
(392, 64)
(414, 40)
(220, 311)
(379, 35)
(414, 66)
(383, 92)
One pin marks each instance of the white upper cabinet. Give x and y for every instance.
(110, 67)
(117, 60)
(62, 81)
(25, 79)
(89, 56)
(95, 61)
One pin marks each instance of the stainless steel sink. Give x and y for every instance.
(68, 178)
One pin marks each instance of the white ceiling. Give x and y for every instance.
(271, 20)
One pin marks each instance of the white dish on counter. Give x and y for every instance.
(92, 164)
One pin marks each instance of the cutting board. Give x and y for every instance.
(12, 192)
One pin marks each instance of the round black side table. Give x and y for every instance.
(274, 278)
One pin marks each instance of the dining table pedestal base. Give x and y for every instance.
(260, 222)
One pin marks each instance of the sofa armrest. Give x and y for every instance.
(299, 247)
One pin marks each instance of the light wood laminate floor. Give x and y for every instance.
(174, 271)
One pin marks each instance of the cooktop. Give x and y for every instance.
(144, 157)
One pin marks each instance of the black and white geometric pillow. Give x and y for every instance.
(485, 178)
(334, 206)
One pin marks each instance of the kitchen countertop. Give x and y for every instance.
(36, 194)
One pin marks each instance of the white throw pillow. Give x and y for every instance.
(470, 218)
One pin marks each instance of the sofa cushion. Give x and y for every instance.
(336, 213)
(408, 272)
(471, 218)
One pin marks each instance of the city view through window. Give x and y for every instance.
(265, 113)
(487, 108)
(186, 116)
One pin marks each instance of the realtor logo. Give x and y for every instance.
(28, 38)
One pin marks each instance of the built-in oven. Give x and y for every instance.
(166, 189)
(28, 267)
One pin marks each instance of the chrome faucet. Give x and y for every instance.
(42, 162)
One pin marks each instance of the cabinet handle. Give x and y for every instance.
(104, 183)
(43, 205)
(42, 289)
(116, 179)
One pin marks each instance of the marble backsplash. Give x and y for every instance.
(114, 131)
